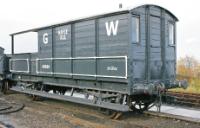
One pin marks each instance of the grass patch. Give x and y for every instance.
(194, 86)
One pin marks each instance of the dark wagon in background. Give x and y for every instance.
(4, 70)
(116, 60)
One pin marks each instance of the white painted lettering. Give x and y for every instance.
(45, 38)
(62, 34)
(45, 66)
(111, 28)
(112, 68)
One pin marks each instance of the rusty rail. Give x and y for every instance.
(188, 99)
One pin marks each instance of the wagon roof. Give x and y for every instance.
(121, 11)
(1, 48)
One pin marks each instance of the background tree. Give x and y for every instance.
(189, 68)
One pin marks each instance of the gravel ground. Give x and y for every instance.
(59, 114)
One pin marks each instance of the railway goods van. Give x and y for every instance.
(3, 65)
(118, 60)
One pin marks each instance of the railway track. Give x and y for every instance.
(72, 115)
(187, 99)
(9, 107)
(174, 117)
(3, 125)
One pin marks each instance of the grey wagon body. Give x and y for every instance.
(128, 52)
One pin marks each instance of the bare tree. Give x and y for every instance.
(188, 66)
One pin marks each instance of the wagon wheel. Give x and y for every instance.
(34, 97)
(140, 106)
(1, 87)
(116, 115)
(37, 98)
(110, 113)
(5, 87)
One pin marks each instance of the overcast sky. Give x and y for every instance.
(18, 15)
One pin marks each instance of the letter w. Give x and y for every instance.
(112, 28)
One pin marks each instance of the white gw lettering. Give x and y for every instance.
(112, 68)
(62, 34)
(111, 28)
(45, 38)
(45, 66)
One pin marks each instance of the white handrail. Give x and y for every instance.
(13, 70)
(72, 74)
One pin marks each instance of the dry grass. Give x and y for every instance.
(194, 86)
